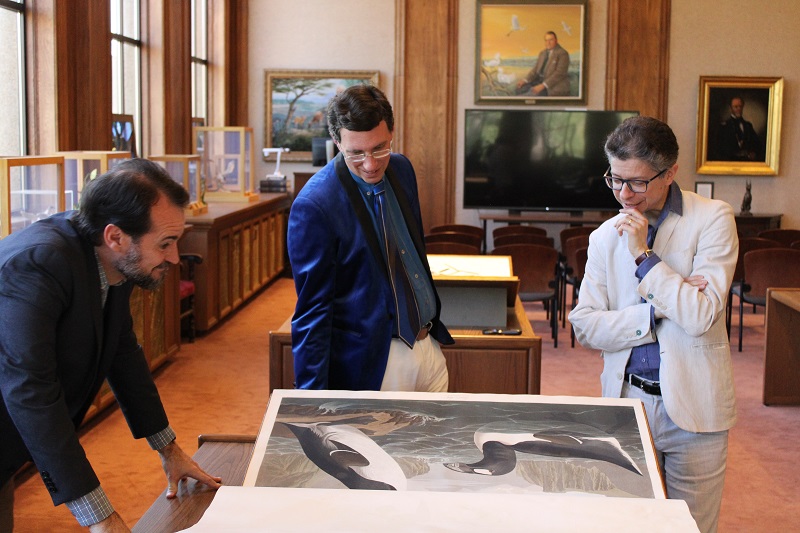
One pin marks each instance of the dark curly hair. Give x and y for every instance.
(644, 138)
(123, 196)
(358, 108)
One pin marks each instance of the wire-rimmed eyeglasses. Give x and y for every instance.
(635, 186)
(376, 154)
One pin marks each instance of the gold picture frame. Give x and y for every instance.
(750, 146)
(295, 102)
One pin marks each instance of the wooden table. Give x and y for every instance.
(501, 364)
(782, 347)
(226, 456)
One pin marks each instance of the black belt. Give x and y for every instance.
(650, 387)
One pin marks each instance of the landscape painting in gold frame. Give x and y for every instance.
(295, 102)
(739, 125)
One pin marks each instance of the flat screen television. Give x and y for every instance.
(538, 160)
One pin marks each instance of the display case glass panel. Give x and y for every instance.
(227, 155)
(187, 170)
(80, 167)
(31, 189)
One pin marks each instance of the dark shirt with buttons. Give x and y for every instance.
(646, 359)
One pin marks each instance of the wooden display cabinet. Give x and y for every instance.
(228, 157)
(187, 170)
(243, 249)
(84, 165)
(31, 188)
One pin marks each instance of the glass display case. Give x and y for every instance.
(31, 188)
(187, 170)
(227, 155)
(80, 167)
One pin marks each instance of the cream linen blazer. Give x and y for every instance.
(696, 375)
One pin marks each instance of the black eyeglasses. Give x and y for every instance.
(635, 186)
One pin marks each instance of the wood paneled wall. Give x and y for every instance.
(83, 74)
(236, 64)
(177, 50)
(425, 100)
(637, 68)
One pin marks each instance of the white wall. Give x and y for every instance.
(737, 38)
(316, 35)
(708, 37)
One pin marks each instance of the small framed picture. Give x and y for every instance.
(704, 188)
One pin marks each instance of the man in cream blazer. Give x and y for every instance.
(653, 301)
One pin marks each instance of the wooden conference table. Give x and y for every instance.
(782, 347)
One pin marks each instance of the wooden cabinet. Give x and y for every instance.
(751, 225)
(477, 363)
(243, 249)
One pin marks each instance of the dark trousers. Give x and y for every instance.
(7, 507)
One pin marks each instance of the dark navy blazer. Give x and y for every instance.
(57, 345)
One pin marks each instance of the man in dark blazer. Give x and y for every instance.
(65, 326)
(550, 75)
(345, 326)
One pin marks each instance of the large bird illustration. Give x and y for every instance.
(349, 455)
(499, 449)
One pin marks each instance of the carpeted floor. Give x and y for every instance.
(219, 384)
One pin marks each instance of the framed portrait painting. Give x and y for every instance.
(529, 51)
(296, 102)
(739, 125)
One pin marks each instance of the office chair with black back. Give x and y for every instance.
(535, 266)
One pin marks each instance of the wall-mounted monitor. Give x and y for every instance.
(538, 159)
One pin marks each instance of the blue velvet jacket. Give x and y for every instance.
(342, 325)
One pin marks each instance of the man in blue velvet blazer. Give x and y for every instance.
(344, 330)
(66, 326)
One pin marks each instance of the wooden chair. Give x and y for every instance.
(459, 228)
(536, 265)
(581, 256)
(462, 228)
(516, 229)
(523, 238)
(564, 234)
(186, 291)
(795, 245)
(572, 272)
(453, 236)
(746, 244)
(452, 248)
(784, 236)
(763, 269)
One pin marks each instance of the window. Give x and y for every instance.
(12, 71)
(126, 58)
(200, 61)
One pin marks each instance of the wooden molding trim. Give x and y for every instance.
(637, 60)
(425, 100)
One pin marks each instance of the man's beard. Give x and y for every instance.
(128, 266)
